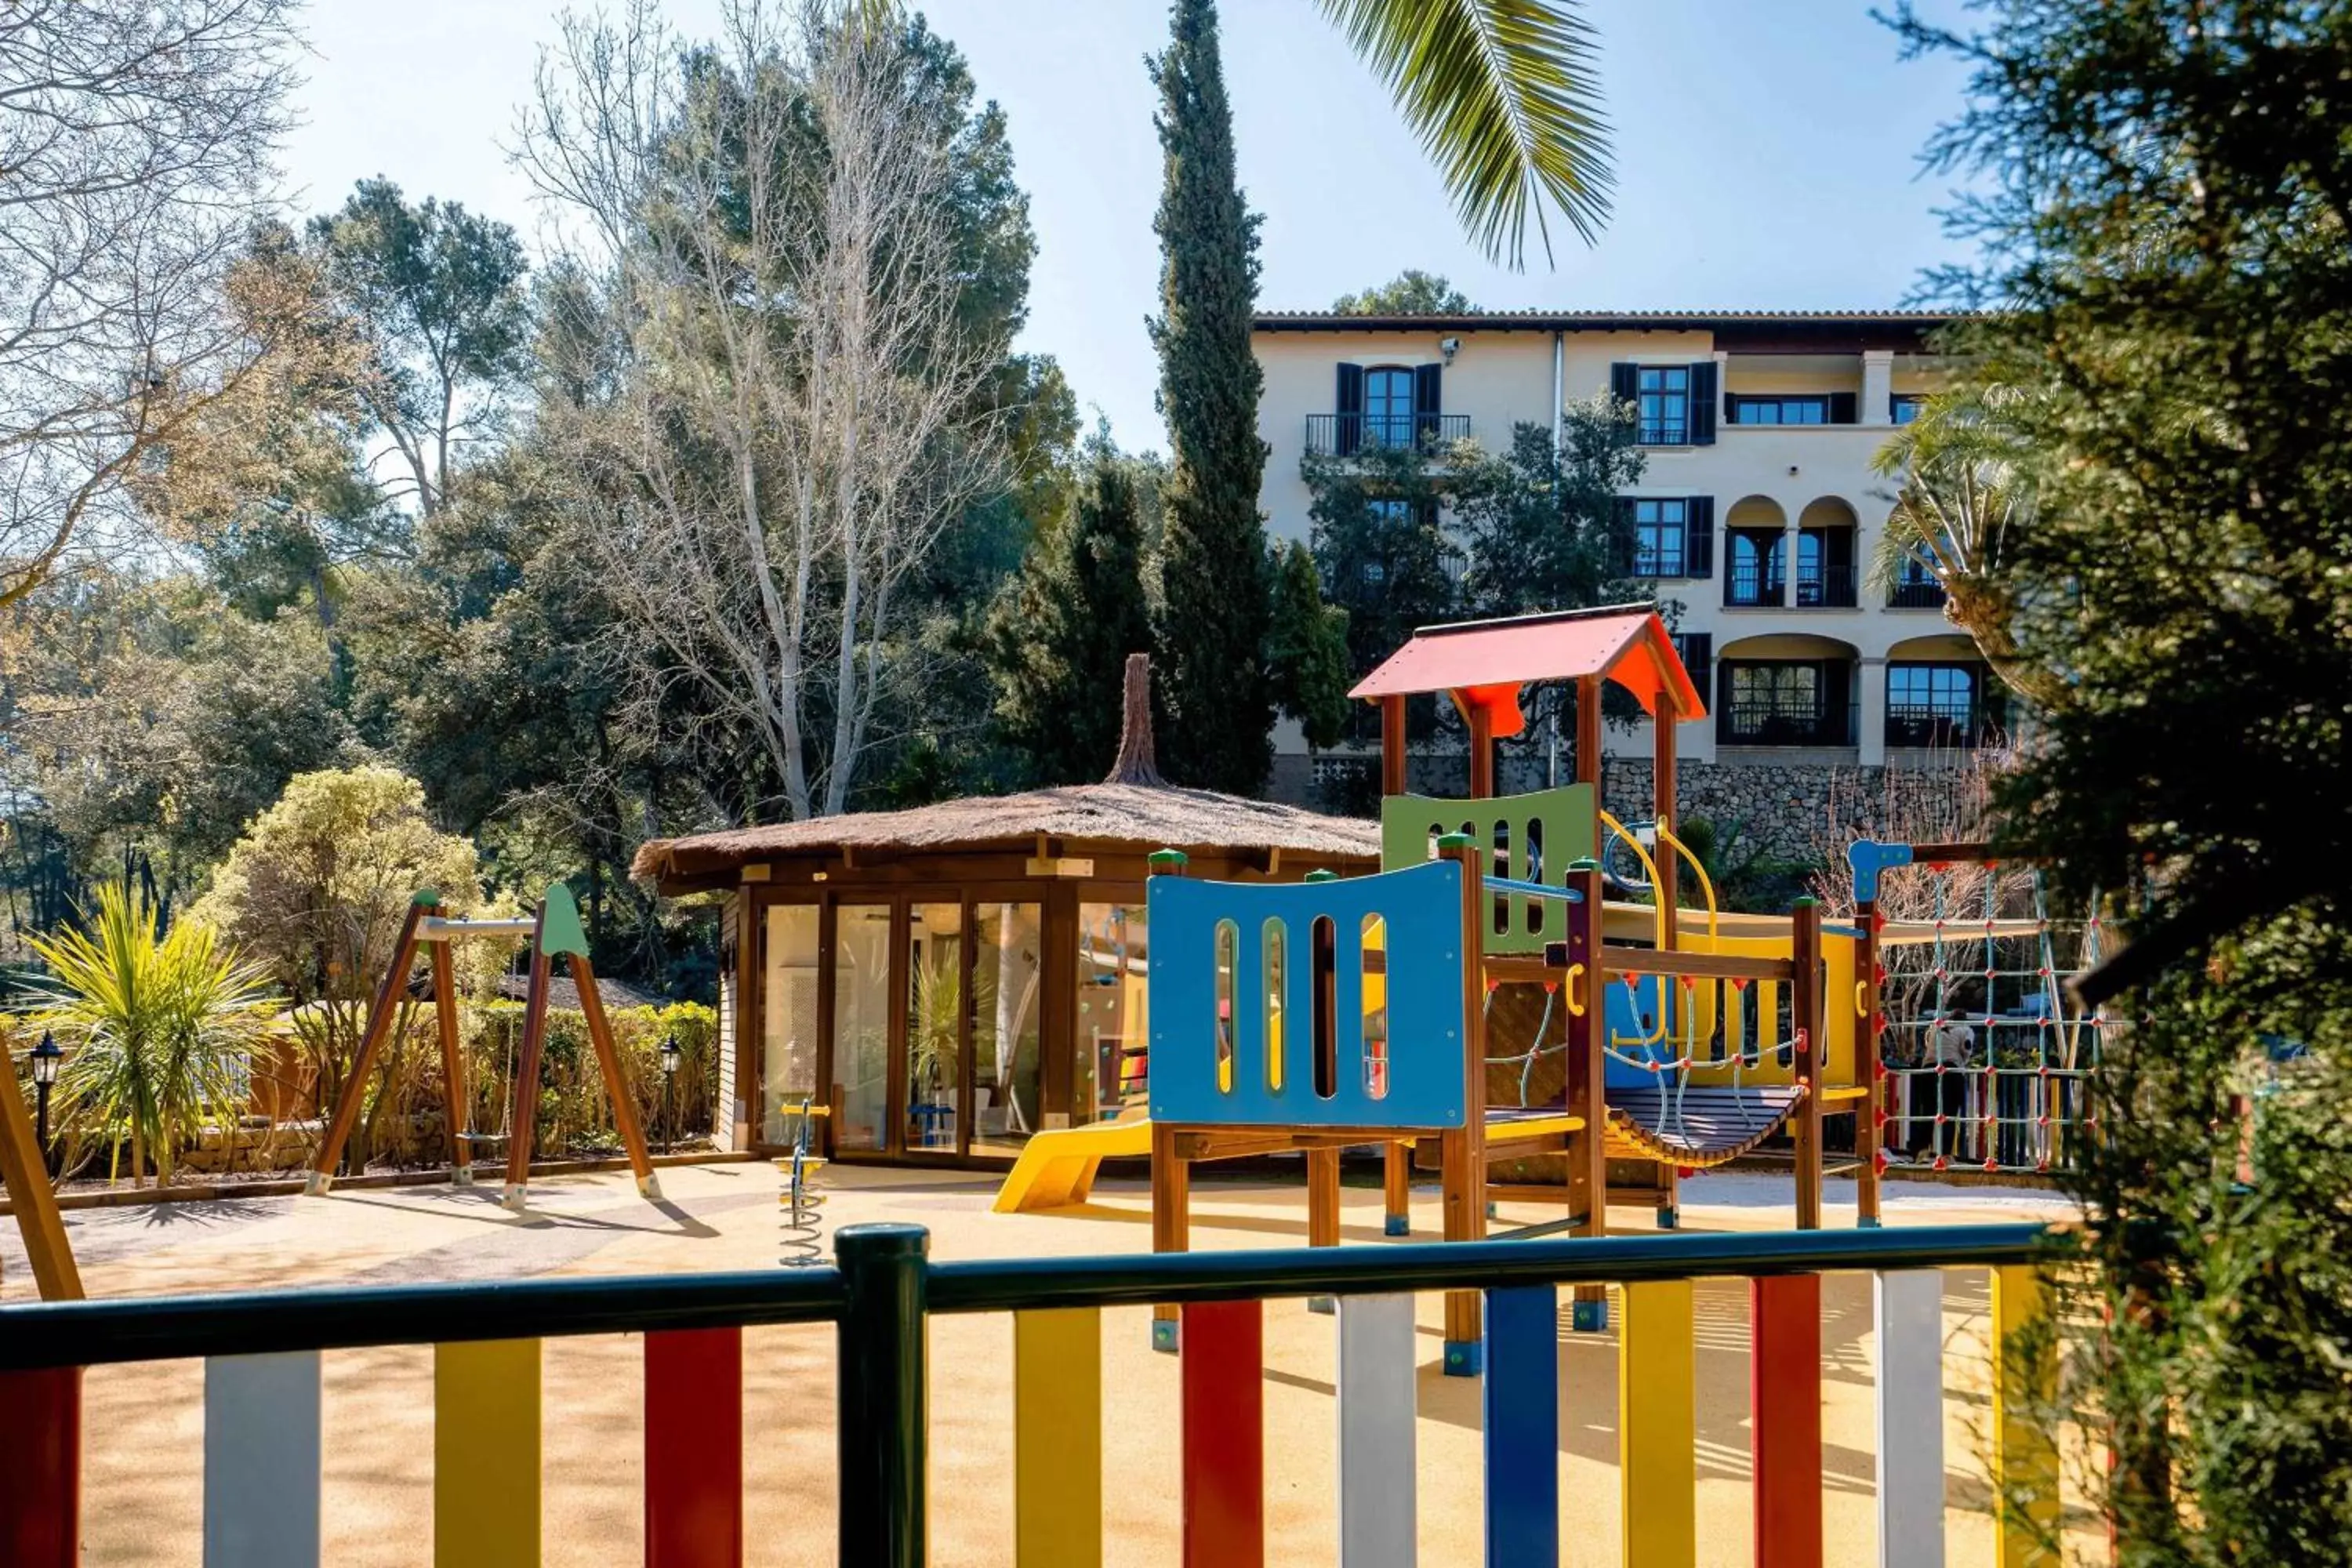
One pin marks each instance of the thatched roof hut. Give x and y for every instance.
(850, 944)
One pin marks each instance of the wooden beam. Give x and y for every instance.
(525, 1112)
(1661, 808)
(1805, 1020)
(616, 1079)
(1588, 731)
(1392, 746)
(379, 1025)
(457, 1105)
(1587, 1085)
(1482, 751)
(1171, 1220)
(1463, 1150)
(1641, 961)
(1867, 1117)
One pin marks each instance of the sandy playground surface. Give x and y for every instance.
(144, 1457)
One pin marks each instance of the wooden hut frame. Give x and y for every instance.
(554, 928)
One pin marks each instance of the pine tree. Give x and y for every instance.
(1306, 648)
(1059, 640)
(1213, 631)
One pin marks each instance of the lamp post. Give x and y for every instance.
(670, 1057)
(45, 1058)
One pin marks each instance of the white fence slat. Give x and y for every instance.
(1910, 1314)
(1378, 1387)
(261, 1461)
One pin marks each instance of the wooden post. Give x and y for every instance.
(27, 1175)
(1322, 1197)
(1588, 732)
(458, 1105)
(1871, 1116)
(1805, 1020)
(616, 1080)
(1392, 744)
(525, 1113)
(379, 1025)
(1172, 1178)
(1587, 1070)
(1482, 751)
(1396, 1189)
(1463, 1150)
(1172, 1222)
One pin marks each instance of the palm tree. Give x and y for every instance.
(1964, 487)
(1505, 99)
(160, 1028)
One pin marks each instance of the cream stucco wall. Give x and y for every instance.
(1500, 377)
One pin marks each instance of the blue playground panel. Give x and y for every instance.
(1422, 1086)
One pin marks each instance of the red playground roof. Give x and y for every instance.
(1484, 663)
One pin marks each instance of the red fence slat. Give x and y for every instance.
(1224, 1435)
(694, 1448)
(40, 1476)
(1785, 1399)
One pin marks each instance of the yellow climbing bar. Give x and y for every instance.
(1057, 1411)
(486, 1449)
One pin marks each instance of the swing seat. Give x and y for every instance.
(1702, 1127)
(481, 1137)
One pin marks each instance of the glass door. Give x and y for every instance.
(933, 1115)
(1007, 1065)
(861, 1024)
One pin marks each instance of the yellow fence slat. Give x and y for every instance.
(2025, 1449)
(485, 1455)
(1057, 1407)
(1657, 1426)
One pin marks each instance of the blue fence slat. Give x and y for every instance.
(1522, 1395)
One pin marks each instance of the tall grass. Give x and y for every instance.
(158, 1025)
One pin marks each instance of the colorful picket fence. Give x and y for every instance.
(263, 1438)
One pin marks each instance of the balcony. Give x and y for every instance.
(1767, 724)
(1344, 435)
(1830, 587)
(1754, 585)
(1942, 726)
(1919, 596)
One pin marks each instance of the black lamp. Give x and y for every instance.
(670, 1057)
(45, 1058)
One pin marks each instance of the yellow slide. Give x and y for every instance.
(1057, 1169)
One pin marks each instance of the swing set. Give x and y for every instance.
(554, 928)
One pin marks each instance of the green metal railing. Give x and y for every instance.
(883, 1286)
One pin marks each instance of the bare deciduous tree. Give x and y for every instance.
(801, 417)
(135, 137)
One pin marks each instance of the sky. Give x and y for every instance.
(1766, 154)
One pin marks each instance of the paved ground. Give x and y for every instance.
(145, 1423)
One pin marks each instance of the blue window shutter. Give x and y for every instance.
(1348, 400)
(1699, 536)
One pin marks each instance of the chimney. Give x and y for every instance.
(1136, 764)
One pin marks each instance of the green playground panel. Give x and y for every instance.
(1531, 838)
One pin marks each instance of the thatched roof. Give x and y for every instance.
(1143, 816)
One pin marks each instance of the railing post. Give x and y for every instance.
(883, 1414)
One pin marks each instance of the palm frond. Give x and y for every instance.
(1505, 97)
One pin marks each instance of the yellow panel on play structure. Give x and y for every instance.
(1752, 1044)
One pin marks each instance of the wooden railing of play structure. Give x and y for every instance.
(263, 1437)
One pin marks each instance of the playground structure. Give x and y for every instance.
(1998, 968)
(1664, 1058)
(25, 1173)
(552, 928)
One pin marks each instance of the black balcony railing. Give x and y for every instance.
(1926, 595)
(1344, 435)
(1949, 726)
(1670, 430)
(1826, 588)
(1750, 585)
(1768, 723)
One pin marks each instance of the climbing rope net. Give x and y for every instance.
(1988, 1058)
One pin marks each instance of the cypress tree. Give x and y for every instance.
(1213, 631)
(1059, 641)
(1306, 649)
